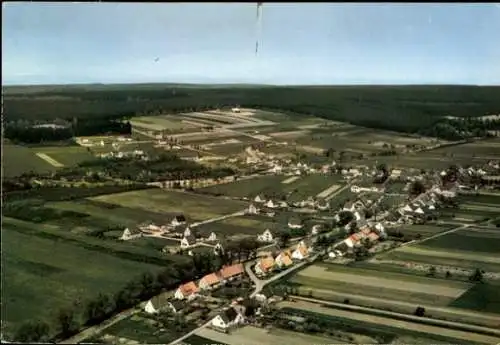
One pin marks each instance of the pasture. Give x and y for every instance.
(481, 297)
(426, 230)
(195, 206)
(476, 240)
(247, 187)
(20, 159)
(373, 283)
(42, 273)
(66, 155)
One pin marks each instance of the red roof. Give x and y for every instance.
(188, 288)
(231, 271)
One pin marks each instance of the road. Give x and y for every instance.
(436, 322)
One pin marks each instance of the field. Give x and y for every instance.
(239, 226)
(468, 248)
(390, 285)
(381, 327)
(252, 336)
(20, 159)
(299, 188)
(42, 273)
(424, 230)
(197, 207)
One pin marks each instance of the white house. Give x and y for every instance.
(228, 318)
(156, 304)
(218, 249)
(355, 189)
(271, 204)
(419, 211)
(266, 236)
(252, 209)
(259, 199)
(212, 237)
(283, 204)
(130, 234)
(187, 232)
(316, 229)
(188, 241)
(349, 206)
(178, 220)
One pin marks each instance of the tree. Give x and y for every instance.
(477, 276)
(67, 322)
(32, 331)
(417, 188)
(420, 311)
(284, 237)
(432, 271)
(448, 274)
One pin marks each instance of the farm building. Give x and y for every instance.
(228, 318)
(188, 241)
(188, 290)
(156, 304)
(264, 266)
(209, 281)
(130, 234)
(178, 220)
(259, 199)
(212, 237)
(271, 204)
(266, 236)
(252, 209)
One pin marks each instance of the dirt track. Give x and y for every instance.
(404, 325)
(323, 273)
(330, 190)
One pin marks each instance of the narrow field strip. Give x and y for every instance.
(49, 160)
(327, 192)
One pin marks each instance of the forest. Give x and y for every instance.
(401, 108)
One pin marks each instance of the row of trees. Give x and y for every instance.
(31, 133)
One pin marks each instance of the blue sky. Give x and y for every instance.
(301, 43)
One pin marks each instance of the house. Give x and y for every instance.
(176, 306)
(188, 241)
(379, 228)
(212, 237)
(264, 266)
(209, 281)
(228, 318)
(407, 208)
(271, 204)
(178, 220)
(295, 223)
(349, 206)
(259, 199)
(301, 252)
(130, 234)
(270, 214)
(156, 304)
(316, 229)
(231, 272)
(419, 210)
(323, 205)
(283, 204)
(283, 260)
(218, 249)
(252, 209)
(187, 232)
(187, 290)
(266, 236)
(373, 237)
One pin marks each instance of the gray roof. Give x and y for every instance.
(228, 315)
(177, 304)
(190, 238)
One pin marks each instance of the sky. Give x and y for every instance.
(300, 43)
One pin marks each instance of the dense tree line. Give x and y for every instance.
(32, 133)
(400, 108)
